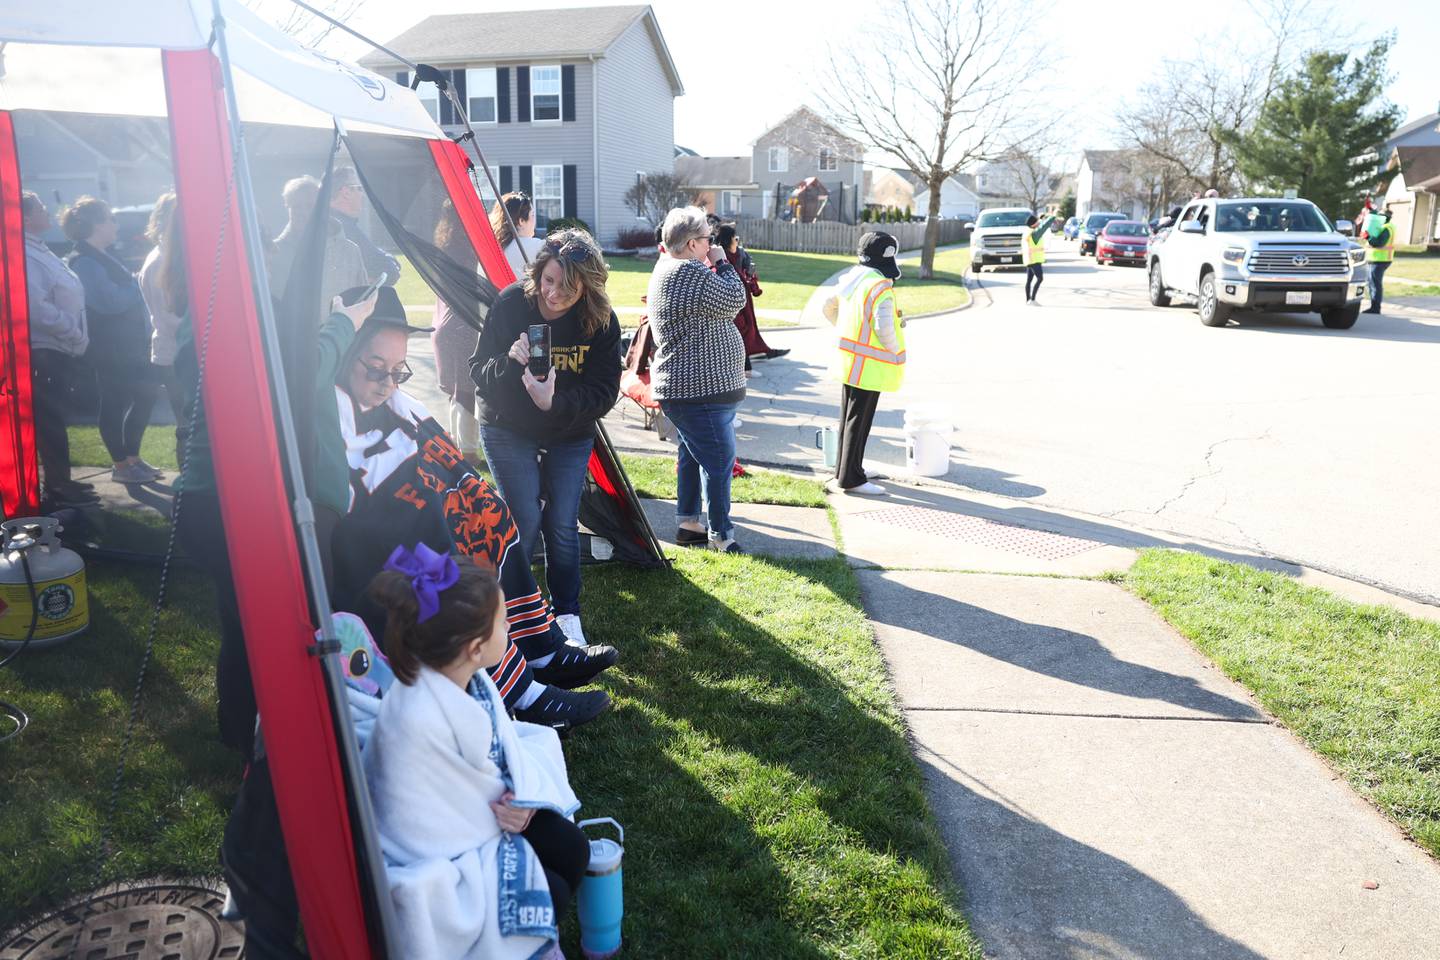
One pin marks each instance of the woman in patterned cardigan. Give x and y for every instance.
(698, 373)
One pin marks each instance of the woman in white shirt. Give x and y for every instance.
(522, 214)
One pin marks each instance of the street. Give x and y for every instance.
(1275, 437)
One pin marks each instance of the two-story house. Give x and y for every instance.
(571, 106)
(801, 146)
(1108, 182)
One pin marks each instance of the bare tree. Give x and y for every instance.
(656, 194)
(1031, 168)
(307, 29)
(948, 89)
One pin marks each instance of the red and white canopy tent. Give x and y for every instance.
(219, 77)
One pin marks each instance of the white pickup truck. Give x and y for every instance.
(1258, 254)
(997, 239)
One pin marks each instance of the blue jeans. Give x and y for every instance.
(528, 473)
(1376, 282)
(707, 455)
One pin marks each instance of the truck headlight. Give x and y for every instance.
(1234, 254)
(1357, 256)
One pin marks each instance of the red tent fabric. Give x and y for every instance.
(19, 464)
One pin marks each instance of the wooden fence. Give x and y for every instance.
(831, 237)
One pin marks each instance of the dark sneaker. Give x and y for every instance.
(573, 667)
(66, 495)
(564, 709)
(690, 538)
(775, 354)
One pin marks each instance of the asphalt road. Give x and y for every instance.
(1274, 436)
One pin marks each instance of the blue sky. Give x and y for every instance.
(747, 63)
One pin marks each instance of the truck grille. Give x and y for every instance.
(1298, 261)
(1001, 241)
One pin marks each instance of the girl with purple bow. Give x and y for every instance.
(473, 808)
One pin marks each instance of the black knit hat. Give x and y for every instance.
(388, 311)
(878, 250)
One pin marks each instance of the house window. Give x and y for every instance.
(548, 193)
(428, 93)
(482, 186)
(545, 93)
(639, 196)
(480, 90)
(779, 159)
(729, 203)
(828, 160)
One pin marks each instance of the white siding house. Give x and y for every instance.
(957, 200)
(571, 116)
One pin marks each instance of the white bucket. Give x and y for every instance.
(927, 441)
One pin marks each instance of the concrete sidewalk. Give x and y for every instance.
(1104, 791)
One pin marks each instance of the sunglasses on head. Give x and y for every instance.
(380, 374)
(576, 251)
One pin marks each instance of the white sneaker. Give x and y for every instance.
(866, 489)
(1035, 303)
(149, 468)
(569, 625)
(129, 473)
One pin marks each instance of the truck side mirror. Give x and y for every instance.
(1192, 226)
(1345, 227)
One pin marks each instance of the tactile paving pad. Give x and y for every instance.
(142, 921)
(1039, 544)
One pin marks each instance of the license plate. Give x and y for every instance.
(1297, 297)
(1013, 259)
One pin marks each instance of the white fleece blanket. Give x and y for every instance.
(462, 888)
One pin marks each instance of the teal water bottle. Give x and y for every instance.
(601, 900)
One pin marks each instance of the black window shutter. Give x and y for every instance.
(567, 93)
(402, 77)
(506, 179)
(570, 202)
(522, 95)
(527, 183)
(457, 79)
(447, 112)
(502, 94)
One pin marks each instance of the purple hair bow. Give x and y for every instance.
(429, 573)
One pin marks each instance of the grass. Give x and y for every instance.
(1359, 684)
(755, 755)
(1415, 264)
(655, 477)
(651, 476)
(56, 776)
(1412, 290)
(945, 291)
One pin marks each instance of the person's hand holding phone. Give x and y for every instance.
(715, 253)
(520, 350)
(542, 392)
(359, 311)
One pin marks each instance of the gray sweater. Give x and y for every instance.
(57, 301)
(699, 353)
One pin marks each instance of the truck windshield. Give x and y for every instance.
(1286, 216)
(1003, 218)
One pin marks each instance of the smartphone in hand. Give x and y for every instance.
(539, 364)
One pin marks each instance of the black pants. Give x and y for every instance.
(127, 397)
(857, 414)
(564, 852)
(203, 534)
(258, 870)
(1035, 272)
(50, 372)
(175, 396)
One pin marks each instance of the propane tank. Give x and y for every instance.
(59, 576)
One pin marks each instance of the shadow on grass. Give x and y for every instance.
(57, 775)
(761, 770)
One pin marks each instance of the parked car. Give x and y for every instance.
(1123, 241)
(1258, 254)
(1072, 228)
(1091, 228)
(997, 238)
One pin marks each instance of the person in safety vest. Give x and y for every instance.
(1380, 252)
(1032, 251)
(871, 355)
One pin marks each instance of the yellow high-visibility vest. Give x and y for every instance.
(1386, 253)
(1034, 250)
(862, 359)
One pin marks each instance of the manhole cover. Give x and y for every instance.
(142, 921)
(986, 533)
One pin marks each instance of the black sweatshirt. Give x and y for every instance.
(588, 371)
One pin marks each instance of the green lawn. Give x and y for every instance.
(1359, 684)
(945, 291)
(755, 756)
(158, 447)
(1412, 290)
(1415, 264)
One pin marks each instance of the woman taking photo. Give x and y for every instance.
(698, 373)
(537, 426)
(119, 327)
(522, 237)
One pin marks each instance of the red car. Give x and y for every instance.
(1123, 241)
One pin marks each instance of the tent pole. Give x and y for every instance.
(479, 155)
(304, 512)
